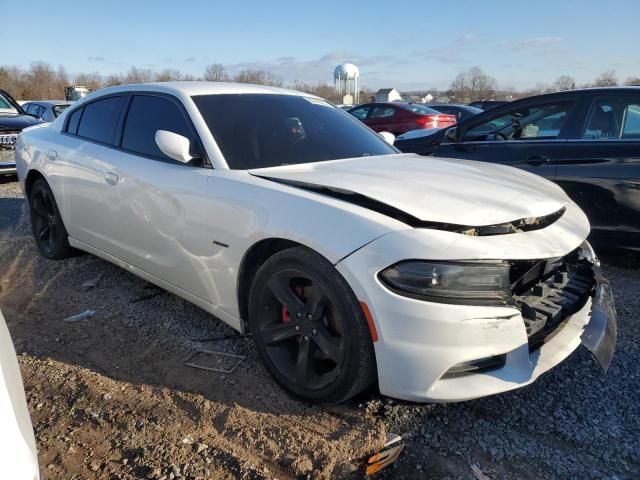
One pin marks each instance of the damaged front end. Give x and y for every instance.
(548, 292)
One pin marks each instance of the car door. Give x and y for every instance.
(75, 167)
(529, 136)
(155, 208)
(600, 169)
(384, 118)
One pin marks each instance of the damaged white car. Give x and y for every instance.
(347, 262)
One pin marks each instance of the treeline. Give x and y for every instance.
(474, 84)
(42, 81)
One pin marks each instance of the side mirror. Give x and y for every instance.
(174, 146)
(452, 135)
(388, 137)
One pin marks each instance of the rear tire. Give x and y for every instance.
(309, 328)
(48, 229)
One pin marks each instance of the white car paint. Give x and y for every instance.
(160, 220)
(18, 455)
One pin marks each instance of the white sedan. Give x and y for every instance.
(348, 262)
(18, 455)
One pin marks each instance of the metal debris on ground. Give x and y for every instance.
(214, 361)
(221, 337)
(479, 474)
(92, 283)
(81, 316)
(385, 457)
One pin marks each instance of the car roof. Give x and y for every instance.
(48, 102)
(617, 90)
(191, 88)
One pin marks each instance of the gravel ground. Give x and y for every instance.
(111, 398)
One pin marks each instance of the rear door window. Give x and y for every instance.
(148, 114)
(100, 119)
(613, 118)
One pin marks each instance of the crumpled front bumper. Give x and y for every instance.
(420, 341)
(601, 333)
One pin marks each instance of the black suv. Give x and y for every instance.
(587, 141)
(12, 120)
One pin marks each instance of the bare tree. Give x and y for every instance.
(168, 75)
(138, 75)
(632, 81)
(472, 85)
(564, 82)
(216, 73)
(92, 80)
(113, 79)
(258, 77)
(606, 79)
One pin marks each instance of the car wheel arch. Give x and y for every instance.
(30, 179)
(255, 256)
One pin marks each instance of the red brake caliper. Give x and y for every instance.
(286, 316)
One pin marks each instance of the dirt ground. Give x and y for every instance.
(111, 398)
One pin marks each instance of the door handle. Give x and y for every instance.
(52, 155)
(111, 178)
(538, 160)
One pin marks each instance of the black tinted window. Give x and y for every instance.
(265, 130)
(100, 119)
(74, 119)
(147, 115)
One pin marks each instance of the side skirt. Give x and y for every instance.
(230, 320)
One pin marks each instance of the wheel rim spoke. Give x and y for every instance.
(328, 344)
(279, 286)
(38, 206)
(44, 231)
(316, 303)
(279, 333)
(52, 235)
(302, 362)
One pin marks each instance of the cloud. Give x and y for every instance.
(534, 43)
(453, 52)
(189, 59)
(318, 69)
(96, 59)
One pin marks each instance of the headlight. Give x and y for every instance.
(459, 282)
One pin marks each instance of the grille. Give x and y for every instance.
(549, 291)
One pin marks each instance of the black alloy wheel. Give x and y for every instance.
(309, 328)
(46, 223)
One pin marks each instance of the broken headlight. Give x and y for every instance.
(454, 282)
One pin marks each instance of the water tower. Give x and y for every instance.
(345, 79)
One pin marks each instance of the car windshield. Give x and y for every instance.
(6, 105)
(58, 109)
(267, 130)
(420, 109)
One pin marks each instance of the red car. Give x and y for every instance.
(399, 118)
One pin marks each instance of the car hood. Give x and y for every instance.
(431, 189)
(16, 122)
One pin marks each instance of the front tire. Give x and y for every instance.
(46, 223)
(309, 328)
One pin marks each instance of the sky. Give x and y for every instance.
(410, 45)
